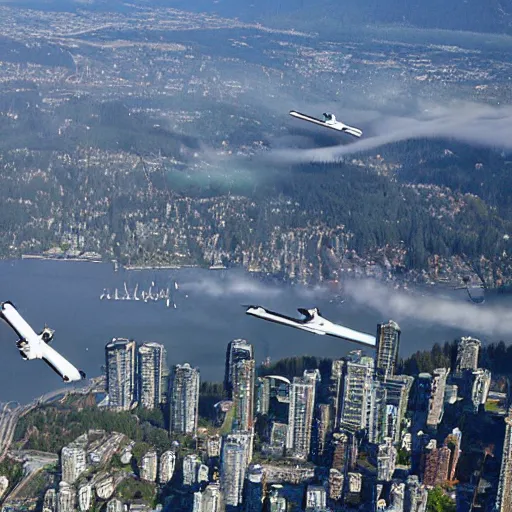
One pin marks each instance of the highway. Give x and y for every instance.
(11, 412)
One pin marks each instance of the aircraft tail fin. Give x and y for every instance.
(306, 313)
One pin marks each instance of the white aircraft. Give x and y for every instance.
(329, 121)
(313, 322)
(36, 346)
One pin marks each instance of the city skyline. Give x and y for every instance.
(336, 415)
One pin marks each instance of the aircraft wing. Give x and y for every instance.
(17, 323)
(60, 365)
(33, 347)
(278, 318)
(314, 120)
(356, 132)
(339, 331)
(338, 126)
(316, 325)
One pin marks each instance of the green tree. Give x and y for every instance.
(438, 501)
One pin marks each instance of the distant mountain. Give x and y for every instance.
(494, 16)
(472, 15)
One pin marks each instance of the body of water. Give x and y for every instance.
(208, 314)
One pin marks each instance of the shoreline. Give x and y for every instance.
(403, 283)
(53, 258)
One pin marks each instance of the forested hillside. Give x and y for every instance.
(471, 15)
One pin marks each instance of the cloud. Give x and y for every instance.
(232, 285)
(236, 284)
(467, 122)
(435, 309)
(432, 308)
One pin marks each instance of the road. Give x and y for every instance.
(20, 498)
(11, 412)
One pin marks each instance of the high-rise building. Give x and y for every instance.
(320, 432)
(336, 480)
(213, 445)
(273, 397)
(276, 500)
(149, 466)
(235, 458)
(197, 502)
(467, 354)
(211, 498)
(85, 495)
(341, 442)
(184, 399)
(436, 464)
(451, 394)
(355, 482)
(388, 345)
(336, 389)
(504, 497)
(480, 389)
(443, 465)
(357, 386)
(262, 395)
(453, 442)
(207, 500)
(415, 496)
(396, 497)
(398, 389)
(429, 463)
(300, 417)
(436, 402)
(254, 489)
(151, 367)
(203, 473)
(316, 497)
(115, 505)
(191, 465)
(278, 437)
(243, 394)
(238, 350)
(386, 460)
(73, 462)
(378, 418)
(314, 376)
(66, 498)
(422, 393)
(50, 501)
(167, 465)
(104, 485)
(419, 443)
(120, 368)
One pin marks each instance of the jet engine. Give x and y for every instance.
(46, 335)
(23, 347)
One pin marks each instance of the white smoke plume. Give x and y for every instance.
(485, 319)
(473, 123)
(433, 308)
(232, 285)
(243, 286)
